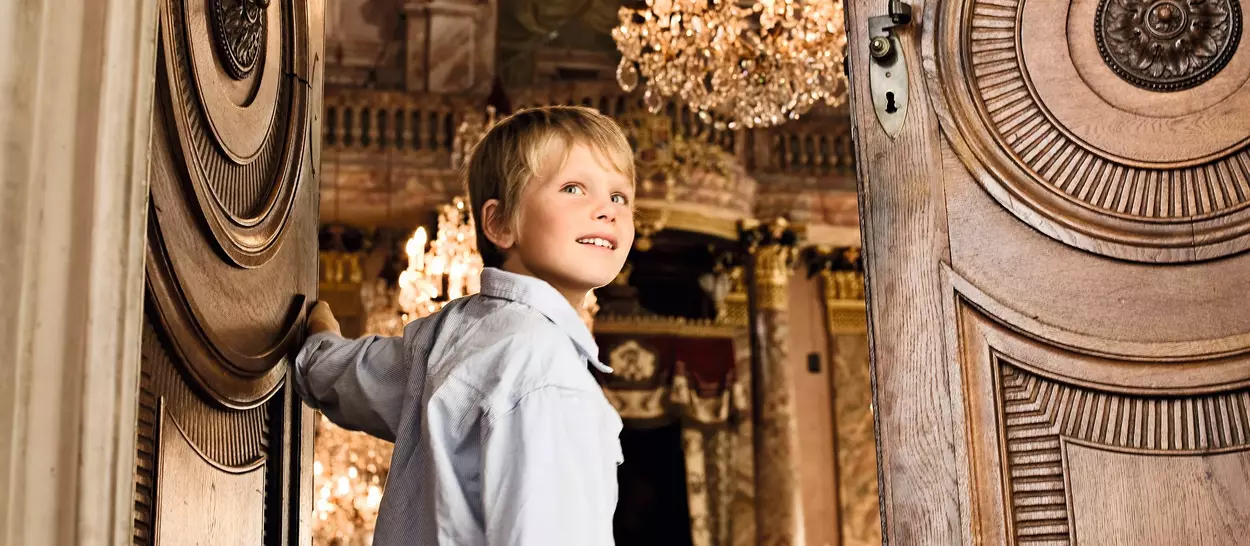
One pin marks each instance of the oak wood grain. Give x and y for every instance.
(1057, 280)
(1024, 419)
(903, 224)
(1206, 498)
(224, 444)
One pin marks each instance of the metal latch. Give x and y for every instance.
(887, 73)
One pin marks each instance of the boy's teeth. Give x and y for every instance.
(596, 241)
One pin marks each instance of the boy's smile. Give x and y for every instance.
(600, 240)
(575, 223)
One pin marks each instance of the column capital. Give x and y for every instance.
(753, 233)
(774, 247)
(824, 258)
(842, 276)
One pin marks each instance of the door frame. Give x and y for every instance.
(78, 81)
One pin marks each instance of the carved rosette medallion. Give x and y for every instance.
(1066, 147)
(239, 32)
(1167, 45)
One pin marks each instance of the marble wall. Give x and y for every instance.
(814, 410)
(365, 43)
(860, 517)
(438, 46)
(838, 462)
(76, 92)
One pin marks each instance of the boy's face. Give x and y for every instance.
(576, 222)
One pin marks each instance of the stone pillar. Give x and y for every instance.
(778, 502)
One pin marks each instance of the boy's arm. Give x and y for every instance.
(358, 383)
(549, 471)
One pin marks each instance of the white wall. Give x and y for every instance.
(76, 82)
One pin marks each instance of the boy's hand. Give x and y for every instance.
(320, 319)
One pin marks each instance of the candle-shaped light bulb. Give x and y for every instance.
(417, 243)
(416, 249)
(455, 280)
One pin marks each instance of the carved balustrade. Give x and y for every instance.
(418, 128)
(387, 154)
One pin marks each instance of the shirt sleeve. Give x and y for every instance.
(358, 383)
(549, 471)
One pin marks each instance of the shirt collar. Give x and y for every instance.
(545, 299)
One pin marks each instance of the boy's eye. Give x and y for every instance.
(572, 188)
(620, 199)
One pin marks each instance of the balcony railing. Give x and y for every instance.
(420, 128)
(808, 150)
(374, 120)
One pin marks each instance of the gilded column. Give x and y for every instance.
(778, 502)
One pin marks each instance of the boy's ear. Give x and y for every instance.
(497, 230)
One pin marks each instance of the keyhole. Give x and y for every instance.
(890, 107)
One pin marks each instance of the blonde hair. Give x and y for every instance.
(511, 154)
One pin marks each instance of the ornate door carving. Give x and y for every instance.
(231, 265)
(1058, 272)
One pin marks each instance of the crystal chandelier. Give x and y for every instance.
(349, 472)
(449, 269)
(758, 65)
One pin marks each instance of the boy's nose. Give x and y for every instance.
(606, 213)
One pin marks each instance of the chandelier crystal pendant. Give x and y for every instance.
(758, 65)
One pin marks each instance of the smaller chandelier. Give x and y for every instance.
(349, 473)
(757, 65)
(451, 268)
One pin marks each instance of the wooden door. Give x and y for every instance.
(231, 265)
(1058, 281)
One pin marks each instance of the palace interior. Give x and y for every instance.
(906, 272)
(410, 86)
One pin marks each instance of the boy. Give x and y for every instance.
(501, 434)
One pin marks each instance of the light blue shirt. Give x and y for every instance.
(502, 435)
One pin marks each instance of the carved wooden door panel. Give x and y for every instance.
(1056, 254)
(231, 265)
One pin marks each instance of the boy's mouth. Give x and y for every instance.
(604, 241)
